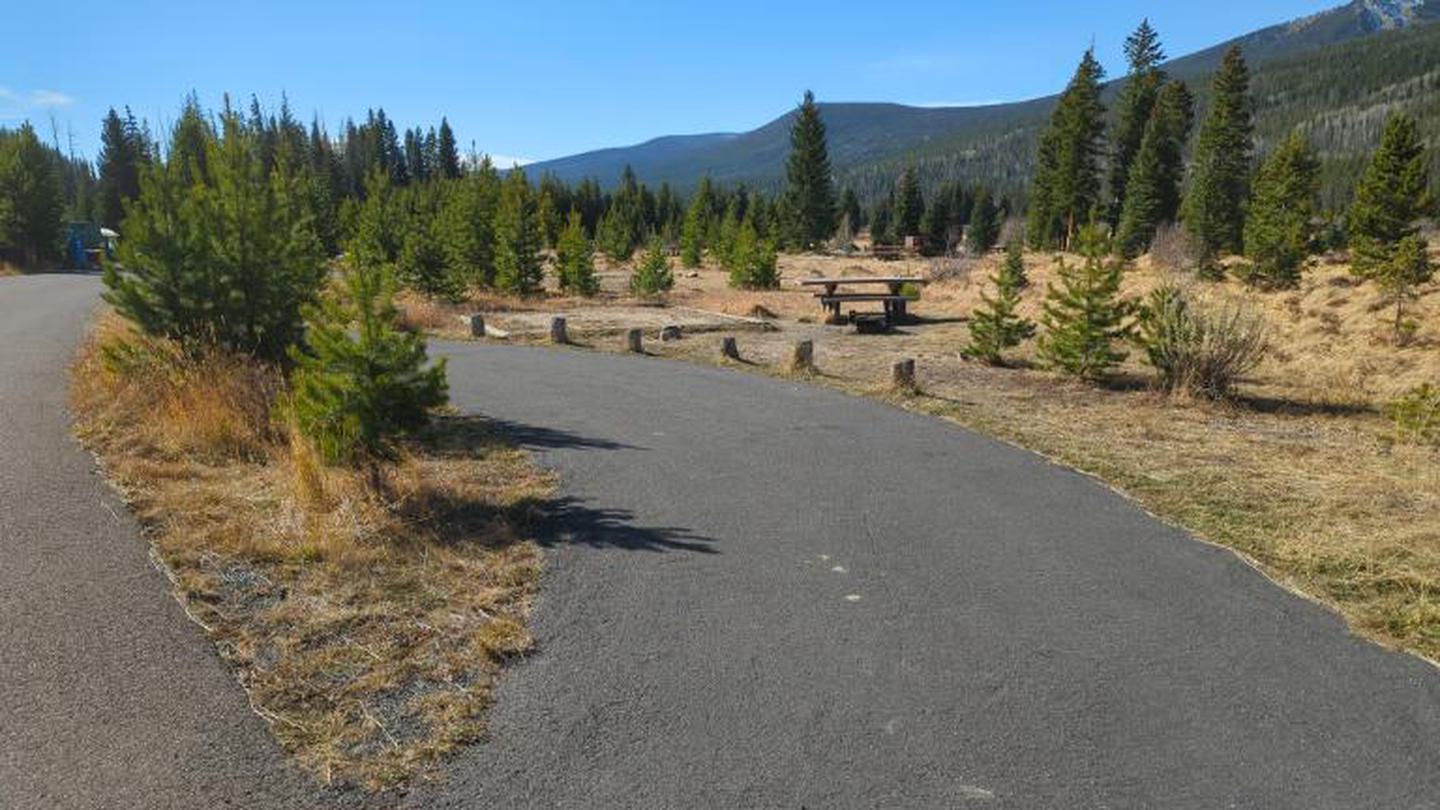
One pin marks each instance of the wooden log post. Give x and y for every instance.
(557, 331)
(669, 333)
(902, 375)
(729, 348)
(802, 356)
(635, 341)
(477, 326)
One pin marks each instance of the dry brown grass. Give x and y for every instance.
(368, 631)
(1300, 471)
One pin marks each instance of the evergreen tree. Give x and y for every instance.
(229, 263)
(935, 225)
(517, 237)
(1278, 231)
(652, 276)
(621, 227)
(1083, 317)
(421, 264)
(379, 235)
(1066, 187)
(696, 225)
(881, 227)
(1215, 208)
(1153, 190)
(447, 157)
(751, 262)
(810, 191)
(850, 207)
(1134, 110)
(360, 380)
(994, 325)
(909, 206)
(467, 227)
(1407, 267)
(121, 155)
(33, 199)
(1393, 195)
(984, 230)
(574, 259)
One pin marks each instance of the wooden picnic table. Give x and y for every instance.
(892, 300)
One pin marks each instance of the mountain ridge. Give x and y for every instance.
(987, 143)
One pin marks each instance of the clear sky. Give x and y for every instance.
(545, 79)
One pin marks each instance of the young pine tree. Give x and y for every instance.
(1152, 196)
(1393, 195)
(360, 380)
(751, 261)
(994, 325)
(467, 227)
(1278, 231)
(1084, 318)
(809, 189)
(652, 276)
(1134, 110)
(228, 262)
(517, 237)
(575, 260)
(1407, 267)
(1066, 188)
(1215, 208)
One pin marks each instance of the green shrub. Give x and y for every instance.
(1198, 348)
(1417, 415)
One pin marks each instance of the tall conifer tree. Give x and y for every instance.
(1278, 230)
(909, 205)
(1393, 195)
(810, 190)
(1066, 188)
(517, 237)
(1153, 194)
(1215, 208)
(1134, 110)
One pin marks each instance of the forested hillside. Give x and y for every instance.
(1333, 75)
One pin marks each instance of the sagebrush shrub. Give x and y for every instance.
(1199, 348)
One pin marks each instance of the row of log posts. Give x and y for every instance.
(802, 354)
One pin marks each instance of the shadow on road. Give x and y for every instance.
(534, 437)
(569, 521)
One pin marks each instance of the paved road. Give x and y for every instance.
(109, 696)
(769, 595)
(760, 595)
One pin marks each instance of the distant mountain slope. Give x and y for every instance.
(1358, 58)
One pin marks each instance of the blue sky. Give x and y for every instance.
(541, 80)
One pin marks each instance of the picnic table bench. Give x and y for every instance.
(893, 302)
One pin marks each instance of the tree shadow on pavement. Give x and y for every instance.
(535, 437)
(568, 520)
